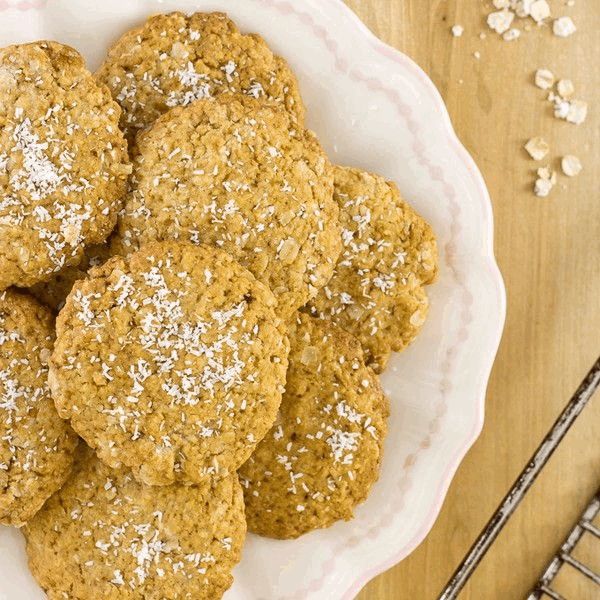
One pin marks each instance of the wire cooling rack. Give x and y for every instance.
(517, 492)
(565, 555)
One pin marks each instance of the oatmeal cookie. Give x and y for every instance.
(240, 175)
(174, 59)
(36, 445)
(54, 292)
(104, 535)
(63, 161)
(170, 361)
(376, 292)
(323, 453)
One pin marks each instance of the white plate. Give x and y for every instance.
(374, 108)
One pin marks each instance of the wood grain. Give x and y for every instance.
(549, 254)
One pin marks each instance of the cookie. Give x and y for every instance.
(36, 445)
(104, 535)
(240, 175)
(170, 361)
(54, 292)
(322, 455)
(376, 292)
(63, 161)
(174, 59)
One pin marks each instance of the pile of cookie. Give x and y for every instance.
(208, 304)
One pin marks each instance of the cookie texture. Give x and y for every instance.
(174, 59)
(104, 535)
(170, 361)
(323, 453)
(242, 176)
(54, 292)
(36, 445)
(63, 161)
(389, 254)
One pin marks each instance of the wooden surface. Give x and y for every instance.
(549, 254)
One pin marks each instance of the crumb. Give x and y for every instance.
(482, 35)
(544, 79)
(563, 27)
(537, 148)
(477, 54)
(457, 30)
(571, 165)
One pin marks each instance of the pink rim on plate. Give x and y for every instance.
(373, 107)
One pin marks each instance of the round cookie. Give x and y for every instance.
(54, 292)
(63, 161)
(241, 175)
(36, 445)
(174, 59)
(104, 535)
(376, 292)
(170, 361)
(323, 453)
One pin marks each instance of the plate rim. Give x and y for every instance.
(496, 276)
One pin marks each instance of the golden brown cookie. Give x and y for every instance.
(170, 361)
(240, 175)
(63, 161)
(323, 453)
(376, 292)
(54, 292)
(36, 445)
(174, 59)
(104, 535)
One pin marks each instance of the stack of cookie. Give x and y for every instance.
(224, 298)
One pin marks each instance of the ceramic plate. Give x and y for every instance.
(372, 107)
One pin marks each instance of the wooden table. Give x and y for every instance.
(549, 254)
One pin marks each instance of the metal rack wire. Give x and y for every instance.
(517, 492)
(565, 555)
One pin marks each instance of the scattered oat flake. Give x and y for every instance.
(537, 148)
(577, 111)
(571, 165)
(561, 107)
(563, 27)
(547, 173)
(457, 30)
(539, 11)
(477, 54)
(500, 21)
(542, 187)
(545, 182)
(511, 34)
(565, 88)
(522, 7)
(544, 79)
